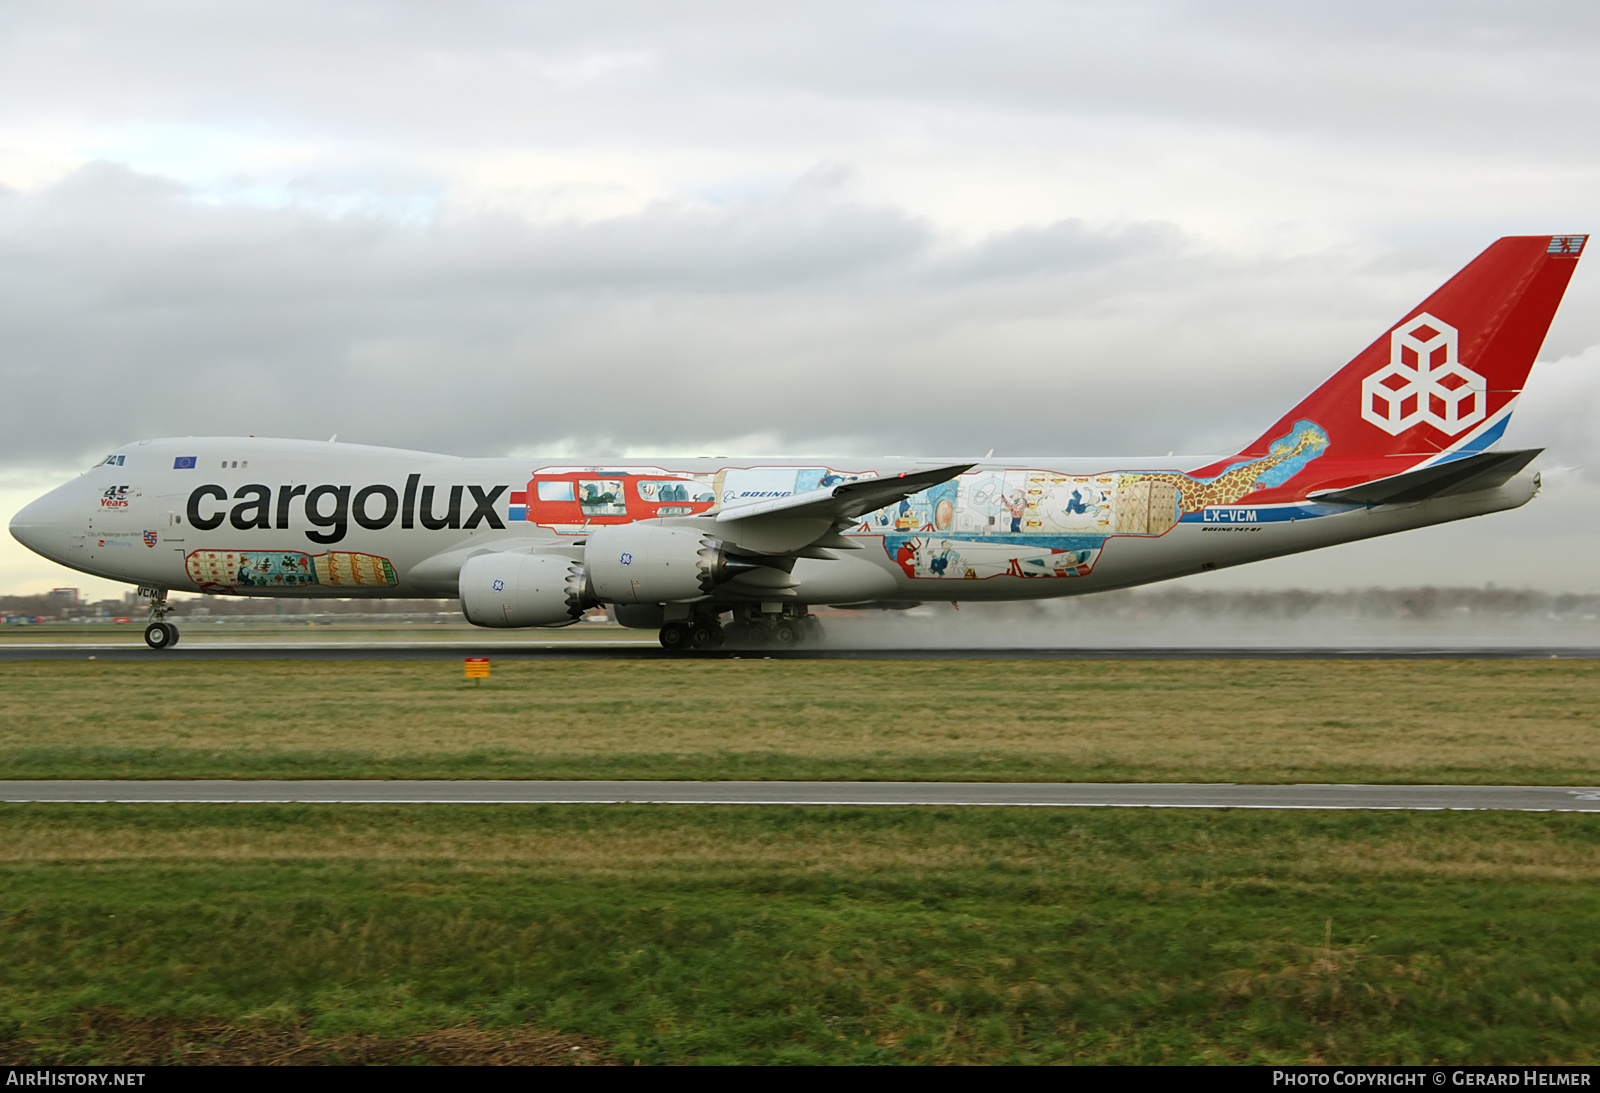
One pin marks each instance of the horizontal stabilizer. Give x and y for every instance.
(1483, 471)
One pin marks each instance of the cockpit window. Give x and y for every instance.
(112, 461)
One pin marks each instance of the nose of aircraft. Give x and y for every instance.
(43, 526)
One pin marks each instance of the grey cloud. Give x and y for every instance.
(127, 310)
(1416, 78)
(1067, 247)
(131, 305)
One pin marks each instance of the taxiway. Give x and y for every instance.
(650, 650)
(1026, 794)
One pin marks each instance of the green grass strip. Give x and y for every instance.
(826, 935)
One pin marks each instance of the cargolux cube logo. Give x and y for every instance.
(1424, 381)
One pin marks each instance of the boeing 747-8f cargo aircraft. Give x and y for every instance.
(707, 550)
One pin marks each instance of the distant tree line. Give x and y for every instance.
(1360, 603)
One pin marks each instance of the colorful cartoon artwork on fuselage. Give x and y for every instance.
(227, 570)
(1286, 457)
(987, 523)
(567, 500)
(977, 558)
(931, 510)
(1024, 523)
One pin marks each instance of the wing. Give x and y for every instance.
(812, 519)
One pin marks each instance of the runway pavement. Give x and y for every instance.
(1028, 794)
(649, 650)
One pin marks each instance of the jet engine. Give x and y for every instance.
(507, 589)
(650, 563)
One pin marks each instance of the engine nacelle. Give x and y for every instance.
(649, 563)
(506, 589)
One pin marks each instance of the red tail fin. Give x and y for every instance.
(1444, 378)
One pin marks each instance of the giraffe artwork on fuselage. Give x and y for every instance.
(1285, 458)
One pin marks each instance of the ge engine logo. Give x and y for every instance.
(1424, 381)
(626, 559)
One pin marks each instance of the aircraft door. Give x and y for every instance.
(173, 529)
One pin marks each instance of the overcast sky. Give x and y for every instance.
(639, 228)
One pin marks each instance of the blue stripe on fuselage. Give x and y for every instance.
(1262, 514)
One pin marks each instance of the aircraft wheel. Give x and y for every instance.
(160, 635)
(786, 635)
(674, 637)
(705, 635)
(756, 635)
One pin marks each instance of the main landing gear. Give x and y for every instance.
(159, 634)
(699, 635)
(748, 630)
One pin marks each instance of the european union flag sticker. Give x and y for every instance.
(184, 463)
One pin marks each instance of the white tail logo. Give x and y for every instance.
(1424, 381)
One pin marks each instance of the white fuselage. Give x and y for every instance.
(263, 517)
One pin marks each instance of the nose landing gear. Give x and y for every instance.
(159, 634)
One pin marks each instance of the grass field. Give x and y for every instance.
(1483, 722)
(662, 934)
(730, 934)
